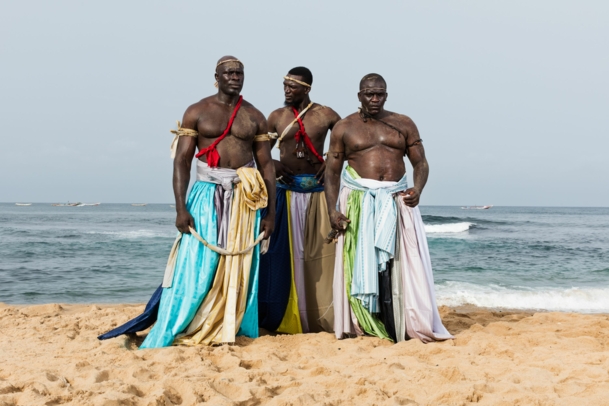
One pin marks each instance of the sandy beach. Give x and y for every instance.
(50, 355)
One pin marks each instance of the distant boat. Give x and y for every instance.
(77, 204)
(171, 205)
(476, 207)
(139, 204)
(23, 204)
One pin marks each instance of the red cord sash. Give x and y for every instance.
(302, 134)
(213, 158)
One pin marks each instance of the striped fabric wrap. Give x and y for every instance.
(296, 273)
(376, 236)
(383, 228)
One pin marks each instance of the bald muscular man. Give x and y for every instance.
(382, 273)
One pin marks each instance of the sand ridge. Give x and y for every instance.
(49, 355)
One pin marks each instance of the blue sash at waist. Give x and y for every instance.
(305, 183)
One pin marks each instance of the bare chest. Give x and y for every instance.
(315, 125)
(371, 134)
(212, 124)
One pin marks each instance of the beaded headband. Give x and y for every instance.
(300, 82)
(229, 60)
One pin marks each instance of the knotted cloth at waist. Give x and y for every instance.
(248, 183)
(376, 236)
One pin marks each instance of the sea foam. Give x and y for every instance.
(588, 300)
(447, 228)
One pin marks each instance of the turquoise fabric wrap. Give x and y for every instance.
(194, 272)
(376, 237)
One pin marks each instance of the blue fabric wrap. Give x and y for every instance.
(305, 183)
(375, 240)
(141, 322)
(194, 271)
(275, 270)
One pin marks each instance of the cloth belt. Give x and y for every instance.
(305, 183)
(225, 177)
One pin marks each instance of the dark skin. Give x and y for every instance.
(209, 117)
(373, 149)
(317, 121)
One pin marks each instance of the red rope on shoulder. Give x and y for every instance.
(301, 133)
(213, 158)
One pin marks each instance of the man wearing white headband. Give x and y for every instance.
(296, 274)
(209, 292)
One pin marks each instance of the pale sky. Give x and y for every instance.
(511, 97)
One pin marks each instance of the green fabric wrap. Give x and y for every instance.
(368, 322)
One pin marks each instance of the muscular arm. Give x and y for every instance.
(181, 171)
(272, 126)
(333, 118)
(416, 155)
(334, 165)
(264, 162)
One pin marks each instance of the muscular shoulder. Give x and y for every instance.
(349, 121)
(403, 122)
(253, 111)
(329, 116)
(195, 111)
(279, 113)
(256, 116)
(342, 126)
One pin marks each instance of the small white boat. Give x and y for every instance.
(139, 204)
(476, 207)
(23, 204)
(87, 204)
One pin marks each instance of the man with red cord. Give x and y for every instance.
(209, 293)
(296, 274)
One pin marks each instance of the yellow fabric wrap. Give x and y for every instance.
(291, 319)
(219, 316)
(180, 132)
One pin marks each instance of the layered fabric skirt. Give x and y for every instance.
(405, 288)
(296, 273)
(207, 297)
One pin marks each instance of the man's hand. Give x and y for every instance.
(183, 221)
(320, 173)
(411, 196)
(267, 225)
(338, 221)
(283, 173)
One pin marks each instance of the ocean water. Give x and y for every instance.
(505, 257)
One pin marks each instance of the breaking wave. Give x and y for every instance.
(448, 228)
(587, 300)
